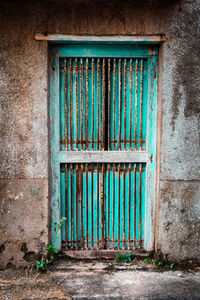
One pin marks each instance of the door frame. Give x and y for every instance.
(54, 174)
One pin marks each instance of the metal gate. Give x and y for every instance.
(105, 134)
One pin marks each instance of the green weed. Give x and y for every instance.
(41, 265)
(123, 258)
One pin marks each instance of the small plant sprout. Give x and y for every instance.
(127, 258)
(59, 225)
(171, 265)
(119, 257)
(160, 263)
(41, 265)
(153, 261)
(123, 258)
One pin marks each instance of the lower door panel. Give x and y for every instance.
(104, 205)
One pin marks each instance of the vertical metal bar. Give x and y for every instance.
(120, 104)
(108, 206)
(77, 190)
(92, 206)
(114, 108)
(119, 206)
(87, 204)
(70, 101)
(102, 207)
(141, 100)
(140, 196)
(66, 135)
(66, 204)
(109, 104)
(124, 166)
(76, 76)
(81, 104)
(98, 206)
(134, 205)
(136, 88)
(124, 104)
(82, 237)
(98, 69)
(131, 82)
(103, 107)
(129, 207)
(113, 243)
(72, 227)
(66, 148)
(86, 105)
(92, 103)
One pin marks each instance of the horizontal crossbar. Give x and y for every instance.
(103, 156)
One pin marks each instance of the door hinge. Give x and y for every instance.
(151, 158)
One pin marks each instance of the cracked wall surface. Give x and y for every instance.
(24, 114)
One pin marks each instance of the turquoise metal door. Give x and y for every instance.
(106, 140)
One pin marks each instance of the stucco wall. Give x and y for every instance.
(24, 114)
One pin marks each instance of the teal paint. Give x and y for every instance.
(54, 144)
(79, 50)
(66, 198)
(151, 165)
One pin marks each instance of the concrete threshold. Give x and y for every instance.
(102, 254)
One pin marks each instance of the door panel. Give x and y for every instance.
(105, 108)
(103, 104)
(104, 205)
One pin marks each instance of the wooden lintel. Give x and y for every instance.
(131, 39)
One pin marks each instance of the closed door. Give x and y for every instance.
(106, 142)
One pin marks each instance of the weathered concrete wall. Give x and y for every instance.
(24, 118)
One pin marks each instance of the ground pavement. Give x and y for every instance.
(101, 280)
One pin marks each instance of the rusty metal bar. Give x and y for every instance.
(97, 206)
(77, 189)
(141, 100)
(81, 104)
(113, 204)
(70, 101)
(131, 82)
(119, 206)
(92, 206)
(108, 206)
(102, 208)
(92, 103)
(103, 107)
(129, 207)
(87, 204)
(72, 227)
(124, 104)
(136, 89)
(120, 104)
(66, 206)
(109, 104)
(98, 70)
(76, 77)
(124, 166)
(82, 237)
(66, 135)
(135, 206)
(114, 108)
(140, 197)
(127, 141)
(86, 105)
